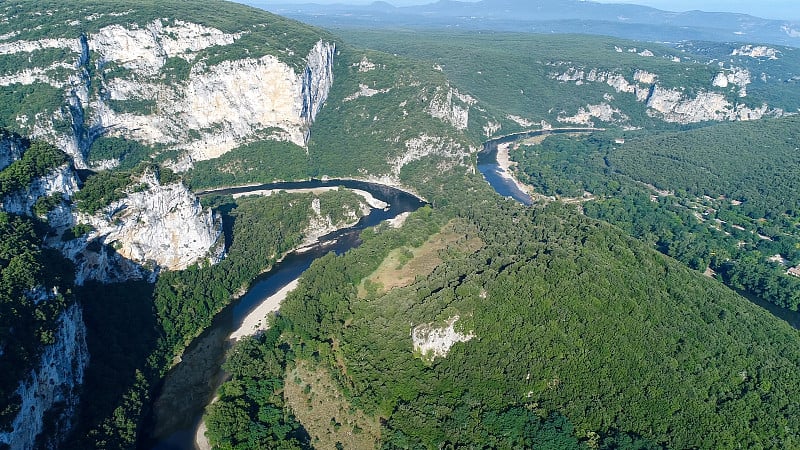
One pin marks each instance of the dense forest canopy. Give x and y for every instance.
(583, 321)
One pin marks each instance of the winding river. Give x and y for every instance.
(497, 176)
(190, 385)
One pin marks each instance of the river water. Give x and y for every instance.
(190, 385)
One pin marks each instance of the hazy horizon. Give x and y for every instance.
(768, 9)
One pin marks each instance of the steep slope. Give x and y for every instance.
(569, 80)
(156, 77)
(564, 332)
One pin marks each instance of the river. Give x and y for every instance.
(497, 176)
(191, 384)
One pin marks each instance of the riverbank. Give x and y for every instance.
(506, 168)
(255, 321)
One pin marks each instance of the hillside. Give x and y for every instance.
(553, 321)
(568, 80)
(473, 321)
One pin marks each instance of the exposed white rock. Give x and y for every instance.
(61, 180)
(643, 76)
(424, 145)
(673, 106)
(646, 53)
(451, 107)
(320, 225)
(491, 128)
(54, 382)
(161, 225)
(602, 111)
(365, 65)
(756, 51)
(8, 48)
(435, 342)
(365, 91)
(791, 32)
(145, 50)
(521, 121)
(227, 104)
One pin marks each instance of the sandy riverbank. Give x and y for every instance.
(256, 320)
(505, 163)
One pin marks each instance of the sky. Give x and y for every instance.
(770, 9)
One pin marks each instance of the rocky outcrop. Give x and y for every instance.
(203, 109)
(602, 111)
(756, 51)
(61, 181)
(431, 342)
(670, 105)
(319, 225)
(451, 107)
(424, 145)
(54, 383)
(158, 227)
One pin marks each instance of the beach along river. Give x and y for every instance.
(190, 385)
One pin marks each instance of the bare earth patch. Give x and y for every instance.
(325, 413)
(403, 265)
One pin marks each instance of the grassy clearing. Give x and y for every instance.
(403, 265)
(325, 412)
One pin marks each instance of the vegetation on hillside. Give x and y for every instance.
(563, 328)
(259, 230)
(721, 197)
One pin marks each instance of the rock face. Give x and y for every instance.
(61, 180)
(159, 227)
(451, 107)
(669, 104)
(433, 342)
(127, 81)
(53, 382)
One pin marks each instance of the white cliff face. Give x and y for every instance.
(158, 227)
(320, 225)
(602, 111)
(226, 105)
(54, 382)
(213, 110)
(145, 50)
(11, 149)
(756, 51)
(424, 145)
(61, 180)
(670, 105)
(451, 107)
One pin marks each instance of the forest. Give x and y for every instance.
(604, 317)
(553, 303)
(706, 197)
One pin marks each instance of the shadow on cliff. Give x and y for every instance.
(122, 331)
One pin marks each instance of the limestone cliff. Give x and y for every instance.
(54, 382)
(156, 83)
(677, 105)
(157, 227)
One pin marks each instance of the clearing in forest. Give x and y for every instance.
(403, 265)
(324, 411)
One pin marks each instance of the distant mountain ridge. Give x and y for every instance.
(558, 16)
